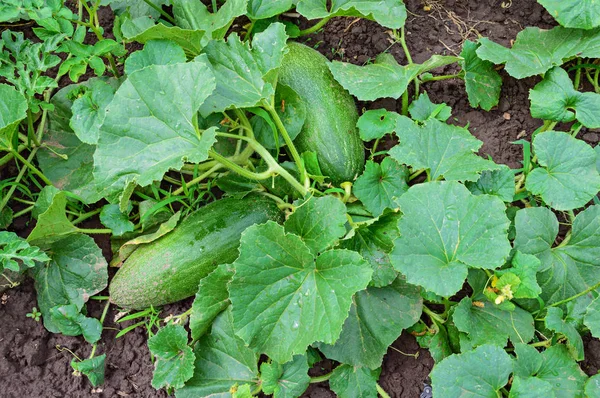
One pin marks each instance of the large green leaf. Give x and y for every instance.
(479, 373)
(377, 318)
(376, 123)
(318, 221)
(375, 241)
(422, 109)
(13, 109)
(354, 382)
(384, 78)
(536, 50)
(555, 322)
(444, 150)
(389, 13)
(567, 269)
(89, 110)
(135, 8)
(52, 224)
(482, 82)
(380, 185)
(489, 324)
(174, 363)
(212, 298)
(77, 271)
(592, 318)
(162, 99)
(112, 217)
(241, 71)
(284, 299)
(530, 387)
(143, 30)
(262, 9)
(194, 15)
(64, 158)
(568, 178)
(222, 361)
(500, 183)
(592, 387)
(553, 366)
(555, 98)
(71, 322)
(445, 231)
(289, 380)
(155, 52)
(583, 14)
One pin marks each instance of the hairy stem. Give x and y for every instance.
(434, 317)
(315, 27)
(198, 179)
(405, 103)
(102, 318)
(85, 216)
(288, 141)
(31, 130)
(441, 77)
(23, 212)
(31, 167)
(583, 293)
(320, 379)
(164, 14)
(404, 46)
(382, 392)
(94, 230)
(577, 81)
(274, 167)
(6, 197)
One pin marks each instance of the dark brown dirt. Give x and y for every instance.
(32, 366)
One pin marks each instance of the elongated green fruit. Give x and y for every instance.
(330, 126)
(170, 268)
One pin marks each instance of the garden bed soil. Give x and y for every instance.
(35, 363)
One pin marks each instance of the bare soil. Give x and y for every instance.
(35, 363)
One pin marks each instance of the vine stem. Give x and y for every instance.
(433, 315)
(9, 156)
(586, 291)
(577, 81)
(315, 27)
(23, 212)
(239, 169)
(94, 230)
(288, 141)
(404, 46)
(545, 343)
(280, 202)
(382, 392)
(320, 379)
(34, 169)
(274, 167)
(416, 174)
(442, 77)
(102, 318)
(85, 216)
(402, 40)
(6, 197)
(31, 130)
(162, 12)
(198, 179)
